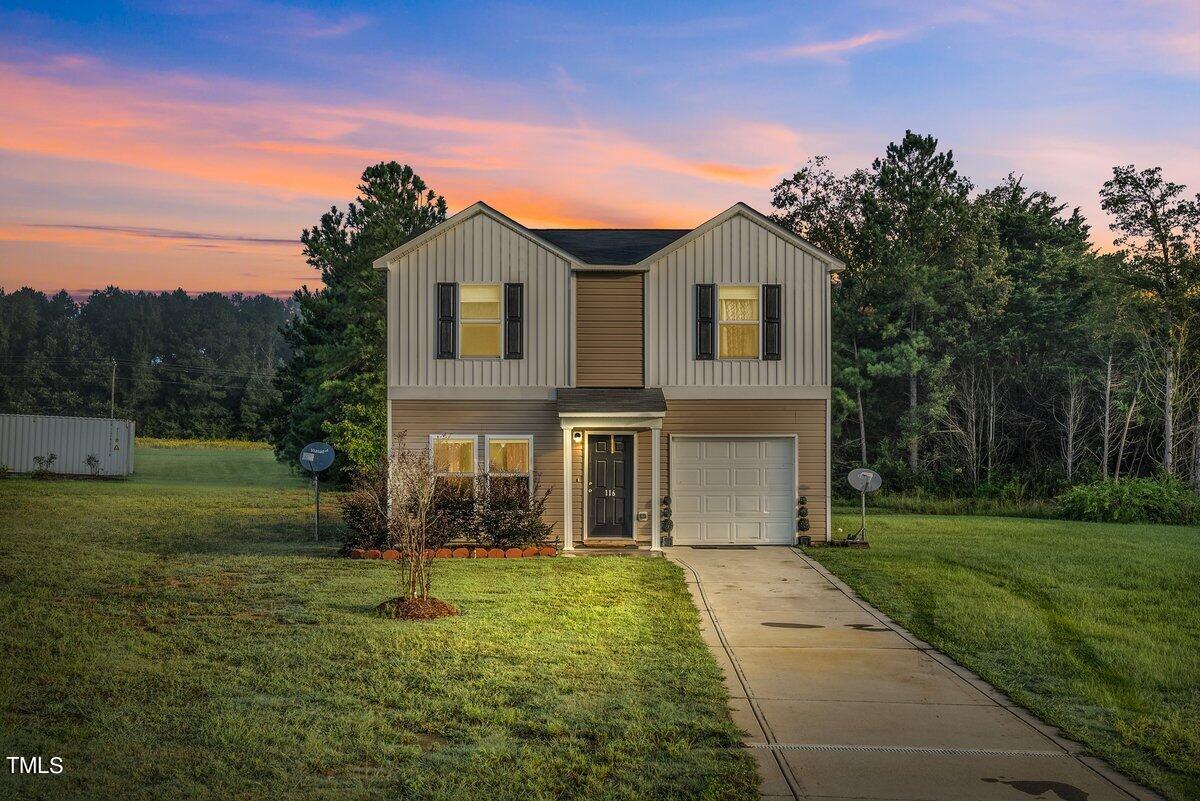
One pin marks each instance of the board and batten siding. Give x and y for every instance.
(480, 251)
(737, 251)
(609, 329)
(804, 418)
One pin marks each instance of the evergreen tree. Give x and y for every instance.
(334, 385)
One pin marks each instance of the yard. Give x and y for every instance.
(180, 635)
(1094, 627)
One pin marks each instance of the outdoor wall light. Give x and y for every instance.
(577, 436)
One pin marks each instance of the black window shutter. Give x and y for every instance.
(706, 312)
(772, 333)
(447, 314)
(514, 321)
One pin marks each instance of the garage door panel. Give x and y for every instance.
(747, 449)
(733, 490)
(718, 533)
(779, 532)
(716, 504)
(778, 505)
(716, 478)
(747, 477)
(748, 504)
(777, 450)
(778, 477)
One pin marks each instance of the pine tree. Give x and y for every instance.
(334, 384)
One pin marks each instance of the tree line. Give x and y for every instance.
(178, 365)
(982, 344)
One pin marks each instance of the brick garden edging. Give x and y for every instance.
(393, 555)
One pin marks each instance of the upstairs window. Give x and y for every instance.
(738, 322)
(479, 312)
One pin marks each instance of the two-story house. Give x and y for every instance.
(629, 369)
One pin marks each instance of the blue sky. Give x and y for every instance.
(155, 145)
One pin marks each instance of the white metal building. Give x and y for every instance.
(27, 437)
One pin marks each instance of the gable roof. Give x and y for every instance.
(755, 216)
(610, 246)
(476, 208)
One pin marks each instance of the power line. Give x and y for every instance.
(17, 360)
(169, 381)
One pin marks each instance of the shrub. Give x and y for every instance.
(454, 502)
(42, 465)
(4, 471)
(1165, 499)
(364, 509)
(508, 515)
(93, 464)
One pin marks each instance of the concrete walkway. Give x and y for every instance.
(840, 702)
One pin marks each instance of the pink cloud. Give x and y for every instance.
(835, 49)
(247, 151)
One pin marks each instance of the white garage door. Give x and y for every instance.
(733, 490)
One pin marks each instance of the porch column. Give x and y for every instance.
(655, 492)
(568, 511)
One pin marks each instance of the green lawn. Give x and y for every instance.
(178, 635)
(1094, 627)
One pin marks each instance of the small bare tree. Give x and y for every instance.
(1070, 417)
(412, 517)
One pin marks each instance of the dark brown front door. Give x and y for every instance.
(610, 485)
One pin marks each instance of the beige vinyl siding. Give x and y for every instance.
(738, 251)
(480, 250)
(609, 330)
(804, 418)
(415, 420)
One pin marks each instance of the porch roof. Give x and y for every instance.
(649, 401)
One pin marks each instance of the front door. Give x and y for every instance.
(610, 485)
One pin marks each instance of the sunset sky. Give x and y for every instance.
(155, 145)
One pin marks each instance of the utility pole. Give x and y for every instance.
(112, 392)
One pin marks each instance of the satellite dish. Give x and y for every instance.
(316, 456)
(864, 479)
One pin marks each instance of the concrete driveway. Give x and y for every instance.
(837, 701)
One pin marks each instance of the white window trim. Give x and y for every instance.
(758, 323)
(474, 438)
(487, 454)
(499, 321)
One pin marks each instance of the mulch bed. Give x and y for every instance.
(416, 609)
(460, 553)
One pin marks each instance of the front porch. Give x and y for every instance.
(609, 429)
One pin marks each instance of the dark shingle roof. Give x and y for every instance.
(610, 399)
(610, 245)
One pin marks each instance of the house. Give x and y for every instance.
(641, 374)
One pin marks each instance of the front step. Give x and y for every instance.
(615, 543)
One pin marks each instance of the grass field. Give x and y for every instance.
(1094, 627)
(179, 635)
